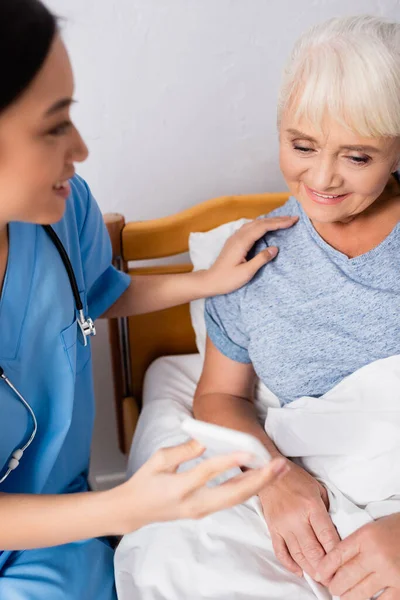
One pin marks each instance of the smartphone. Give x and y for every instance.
(221, 440)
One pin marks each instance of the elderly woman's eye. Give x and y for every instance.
(359, 160)
(302, 149)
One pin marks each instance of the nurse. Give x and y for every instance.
(52, 529)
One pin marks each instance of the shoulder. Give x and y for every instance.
(80, 201)
(82, 211)
(224, 302)
(291, 208)
(82, 218)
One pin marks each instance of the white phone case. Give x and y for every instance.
(221, 440)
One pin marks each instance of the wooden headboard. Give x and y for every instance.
(136, 342)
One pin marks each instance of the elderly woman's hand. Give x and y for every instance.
(231, 270)
(365, 562)
(296, 511)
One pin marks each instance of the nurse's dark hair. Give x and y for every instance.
(27, 30)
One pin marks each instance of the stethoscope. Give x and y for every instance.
(86, 329)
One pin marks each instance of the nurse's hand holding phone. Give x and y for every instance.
(158, 493)
(222, 441)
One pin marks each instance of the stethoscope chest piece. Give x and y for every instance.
(86, 328)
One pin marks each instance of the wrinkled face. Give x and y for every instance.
(39, 145)
(334, 174)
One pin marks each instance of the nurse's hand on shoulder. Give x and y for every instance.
(231, 270)
(158, 493)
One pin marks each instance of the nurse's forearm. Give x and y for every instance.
(233, 412)
(149, 293)
(38, 521)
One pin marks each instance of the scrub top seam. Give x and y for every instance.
(29, 298)
(86, 213)
(5, 282)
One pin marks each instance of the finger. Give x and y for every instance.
(252, 232)
(283, 555)
(324, 496)
(169, 459)
(347, 577)
(367, 588)
(389, 594)
(310, 546)
(273, 223)
(324, 529)
(275, 469)
(212, 467)
(262, 258)
(254, 480)
(339, 556)
(248, 484)
(238, 489)
(297, 552)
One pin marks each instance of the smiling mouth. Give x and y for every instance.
(322, 195)
(61, 185)
(326, 195)
(62, 189)
(324, 198)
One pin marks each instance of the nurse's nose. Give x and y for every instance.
(79, 151)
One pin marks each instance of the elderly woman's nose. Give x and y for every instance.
(324, 175)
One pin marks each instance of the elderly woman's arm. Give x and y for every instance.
(296, 507)
(224, 396)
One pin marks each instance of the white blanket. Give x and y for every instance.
(349, 438)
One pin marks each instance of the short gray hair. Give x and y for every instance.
(349, 68)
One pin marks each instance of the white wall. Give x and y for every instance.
(177, 104)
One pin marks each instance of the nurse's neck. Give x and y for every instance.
(3, 253)
(3, 233)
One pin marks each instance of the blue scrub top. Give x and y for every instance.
(39, 349)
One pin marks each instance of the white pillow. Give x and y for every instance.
(204, 249)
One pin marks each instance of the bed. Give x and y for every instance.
(225, 556)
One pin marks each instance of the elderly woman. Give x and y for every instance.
(327, 306)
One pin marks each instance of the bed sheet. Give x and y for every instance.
(168, 392)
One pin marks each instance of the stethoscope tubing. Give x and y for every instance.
(87, 329)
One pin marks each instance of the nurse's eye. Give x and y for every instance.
(60, 129)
